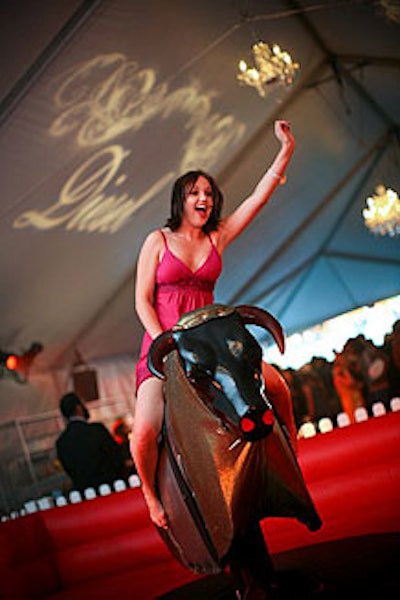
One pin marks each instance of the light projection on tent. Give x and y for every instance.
(84, 205)
(103, 98)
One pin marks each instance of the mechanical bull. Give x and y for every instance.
(225, 458)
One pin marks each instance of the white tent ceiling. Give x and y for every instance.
(105, 103)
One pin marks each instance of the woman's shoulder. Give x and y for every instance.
(153, 243)
(157, 236)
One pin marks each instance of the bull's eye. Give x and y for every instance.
(199, 361)
(235, 347)
(191, 356)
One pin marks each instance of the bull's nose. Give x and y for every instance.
(268, 417)
(247, 424)
(256, 424)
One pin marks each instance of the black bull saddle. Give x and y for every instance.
(225, 459)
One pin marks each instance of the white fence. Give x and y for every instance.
(29, 468)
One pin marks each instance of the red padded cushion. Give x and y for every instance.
(97, 519)
(27, 566)
(351, 448)
(130, 551)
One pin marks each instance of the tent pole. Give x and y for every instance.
(20, 89)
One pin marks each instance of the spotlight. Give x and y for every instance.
(11, 362)
(18, 365)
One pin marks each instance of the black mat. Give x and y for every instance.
(365, 567)
(212, 587)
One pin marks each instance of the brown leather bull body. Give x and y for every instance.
(221, 469)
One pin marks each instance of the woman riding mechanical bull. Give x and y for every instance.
(177, 270)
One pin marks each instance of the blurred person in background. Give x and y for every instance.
(87, 451)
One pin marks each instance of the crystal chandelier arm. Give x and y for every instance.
(272, 65)
(382, 215)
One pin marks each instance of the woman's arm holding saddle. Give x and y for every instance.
(234, 224)
(149, 258)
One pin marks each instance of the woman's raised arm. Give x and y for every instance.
(234, 224)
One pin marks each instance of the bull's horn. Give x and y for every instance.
(160, 347)
(252, 315)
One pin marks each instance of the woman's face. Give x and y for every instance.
(198, 202)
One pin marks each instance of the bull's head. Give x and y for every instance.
(223, 361)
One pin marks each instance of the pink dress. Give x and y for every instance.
(179, 290)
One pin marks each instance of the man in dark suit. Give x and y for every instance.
(87, 451)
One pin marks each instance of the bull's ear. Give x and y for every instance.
(252, 315)
(160, 347)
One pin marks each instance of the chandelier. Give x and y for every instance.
(272, 65)
(382, 215)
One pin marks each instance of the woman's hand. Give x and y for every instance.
(284, 134)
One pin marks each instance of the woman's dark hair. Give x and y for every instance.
(182, 187)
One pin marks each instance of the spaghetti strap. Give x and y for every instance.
(164, 238)
(212, 243)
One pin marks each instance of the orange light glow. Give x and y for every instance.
(11, 362)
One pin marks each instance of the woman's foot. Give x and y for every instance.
(156, 511)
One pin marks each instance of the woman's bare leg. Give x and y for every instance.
(147, 424)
